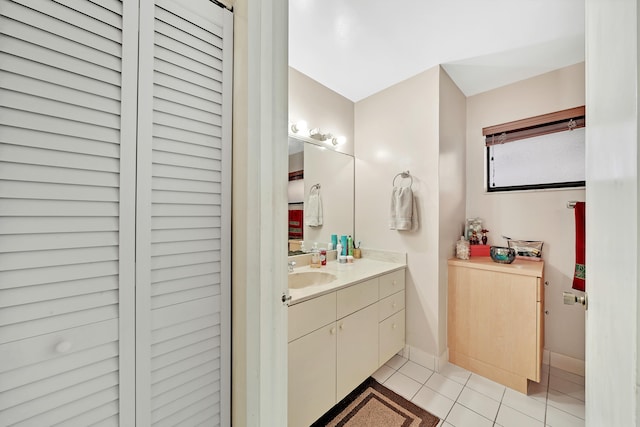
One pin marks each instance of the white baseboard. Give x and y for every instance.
(425, 359)
(566, 363)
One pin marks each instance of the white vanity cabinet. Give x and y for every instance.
(391, 315)
(336, 341)
(357, 335)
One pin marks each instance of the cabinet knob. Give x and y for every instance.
(63, 346)
(393, 283)
(393, 305)
(393, 326)
(332, 331)
(341, 326)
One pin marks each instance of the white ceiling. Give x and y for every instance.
(359, 47)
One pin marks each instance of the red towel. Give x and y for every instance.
(578, 277)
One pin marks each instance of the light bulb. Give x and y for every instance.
(339, 140)
(299, 126)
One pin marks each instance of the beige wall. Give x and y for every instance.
(532, 215)
(321, 108)
(451, 187)
(397, 130)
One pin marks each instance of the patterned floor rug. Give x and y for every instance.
(372, 404)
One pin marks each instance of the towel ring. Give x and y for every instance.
(405, 174)
(315, 187)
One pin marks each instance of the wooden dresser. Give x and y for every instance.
(495, 322)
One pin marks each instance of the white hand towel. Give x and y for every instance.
(313, 210)
(402, 209)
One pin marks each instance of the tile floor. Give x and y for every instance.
(464, 399)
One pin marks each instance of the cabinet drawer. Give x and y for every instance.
(390, 305)
(391, 283)
(310, 315)
(391, 337)
(356, 297)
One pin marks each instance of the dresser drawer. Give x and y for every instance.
(390, 305)
(357, 297)
(310, 315)
(391, 283)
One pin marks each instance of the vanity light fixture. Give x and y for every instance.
(301, 127)
(317, 134)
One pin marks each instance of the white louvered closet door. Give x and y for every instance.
(67, 152)
(183, 223)
(114, 218)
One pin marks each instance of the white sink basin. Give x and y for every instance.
(309, 278)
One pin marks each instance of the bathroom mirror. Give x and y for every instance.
(312, 163)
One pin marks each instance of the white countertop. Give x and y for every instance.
(347, 274)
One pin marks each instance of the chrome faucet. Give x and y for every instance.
(291, 264)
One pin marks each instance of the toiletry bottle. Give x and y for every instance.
(339, 250)
(349, 246)
(323, 257)
(343, 242)
(315, 257)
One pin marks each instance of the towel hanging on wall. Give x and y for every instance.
(404, 209)
(313, 210)
(579, 274)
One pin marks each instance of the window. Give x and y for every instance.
(540, 152)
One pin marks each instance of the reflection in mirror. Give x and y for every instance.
(311, 163)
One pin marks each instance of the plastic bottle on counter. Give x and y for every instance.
(339, 250)
(315, 257)
(462, 248)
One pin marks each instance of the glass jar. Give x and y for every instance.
(462, 249)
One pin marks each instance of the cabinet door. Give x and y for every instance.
(493, 318)
(357, 349)
(392, 339)
(312, 376)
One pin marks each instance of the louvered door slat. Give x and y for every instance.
(46, 369)
(56, 142)
(35, 190)
(166, 385)
(61, 77)
(38, 19)
(19, 331)
(72, 401)
(212, 161)
(63, 139)
(33, 172)
(18, 278)
(94, 10)
(160, 236)
(192, 403)
(45, 123)
(169, 75)
(105, 415)
(57, 382)
(52, 91)
(43, 55)
(71, 17)
(183, 284)
(55, 43)
(30, 294)
(185, 327)
(182, 98)
(52, 108)
(204, 361)
(38, 156)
